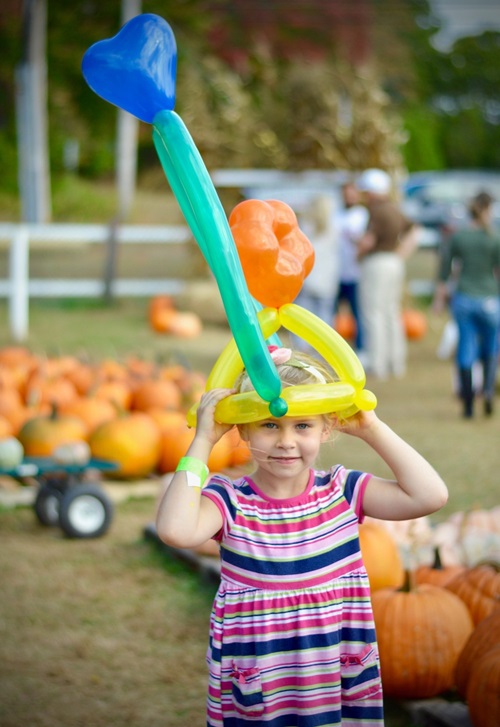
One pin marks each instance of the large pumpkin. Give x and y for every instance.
(132, 440)
(381, 557)
(42, 434)
(485, 636)
(483, 690)
(479, 588)
(420, 635)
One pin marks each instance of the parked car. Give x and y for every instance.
(439, 200)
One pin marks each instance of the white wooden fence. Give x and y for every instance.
(18, 287)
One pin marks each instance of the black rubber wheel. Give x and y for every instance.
(85, 512)
(47, 505)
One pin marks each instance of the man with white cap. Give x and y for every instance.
(382, 251)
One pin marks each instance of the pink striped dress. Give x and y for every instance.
(292, 638)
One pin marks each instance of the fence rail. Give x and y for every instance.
(18, 288)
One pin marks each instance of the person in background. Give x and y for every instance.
(319, 289)
(470, 259)
(350, 223)
(389, 239)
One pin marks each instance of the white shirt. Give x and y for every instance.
(351, 224)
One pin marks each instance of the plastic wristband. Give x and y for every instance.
(196, 470)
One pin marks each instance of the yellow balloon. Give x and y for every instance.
(326, 341)
(344, 397)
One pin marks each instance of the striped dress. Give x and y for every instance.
(292, 638)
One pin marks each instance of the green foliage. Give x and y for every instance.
(423, 150)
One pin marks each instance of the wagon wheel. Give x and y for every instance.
(47, 505)
(85, 512)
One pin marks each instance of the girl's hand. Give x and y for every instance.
(358, 425)
(206, 426)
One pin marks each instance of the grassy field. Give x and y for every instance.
(111, 632)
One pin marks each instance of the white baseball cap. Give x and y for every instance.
(374, 180)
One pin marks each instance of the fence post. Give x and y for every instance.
(19, 276)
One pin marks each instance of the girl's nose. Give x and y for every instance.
(286, 438)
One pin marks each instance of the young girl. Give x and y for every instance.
(292, 638)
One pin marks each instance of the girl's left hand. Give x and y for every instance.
(357, 425)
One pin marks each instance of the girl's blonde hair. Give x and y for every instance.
(301, 368)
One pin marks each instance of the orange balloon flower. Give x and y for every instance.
(275, 254)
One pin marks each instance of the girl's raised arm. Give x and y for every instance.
(184, 518)
(416, 490)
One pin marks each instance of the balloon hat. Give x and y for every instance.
(135, 70)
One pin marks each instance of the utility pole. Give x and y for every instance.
(32, 122)
(125, 166)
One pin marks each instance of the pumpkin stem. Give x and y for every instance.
(438, 564)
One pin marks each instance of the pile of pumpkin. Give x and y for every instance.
(132, 413)
(438, 626)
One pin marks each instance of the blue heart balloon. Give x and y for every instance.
(135, 70)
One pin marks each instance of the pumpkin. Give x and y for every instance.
(380, 556)
(175, 443)
(345, 324)
(11, 453)
(185, 324)
(156, 393)
(414, 323)
(42, 434)
(483, 689)
(116, 391)
(6, 429)
(92, 410)
(11, 404)
(57, 390)
(479, 588)
(485, 636)
(132, 441)
(437, 574)
(420, 634)
(72, 453)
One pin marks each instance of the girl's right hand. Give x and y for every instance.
(206, 426)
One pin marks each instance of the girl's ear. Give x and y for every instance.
(328, 425)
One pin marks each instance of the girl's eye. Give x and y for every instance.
(303, 425)
(269, 425)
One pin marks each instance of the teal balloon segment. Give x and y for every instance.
(196, 195)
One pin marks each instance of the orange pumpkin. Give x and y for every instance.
(156, 393)
(345, 324)
(5, 428)
(483, 690)
(437, 574)
(57, 391)
(175, 443)
(92, 410)
(117, 392)
(132, 440)
(485, 636)
(381, 557)
(420, 635)
(415, 323)
(479, 588)
(42, 434)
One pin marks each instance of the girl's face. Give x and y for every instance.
(285, 448)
